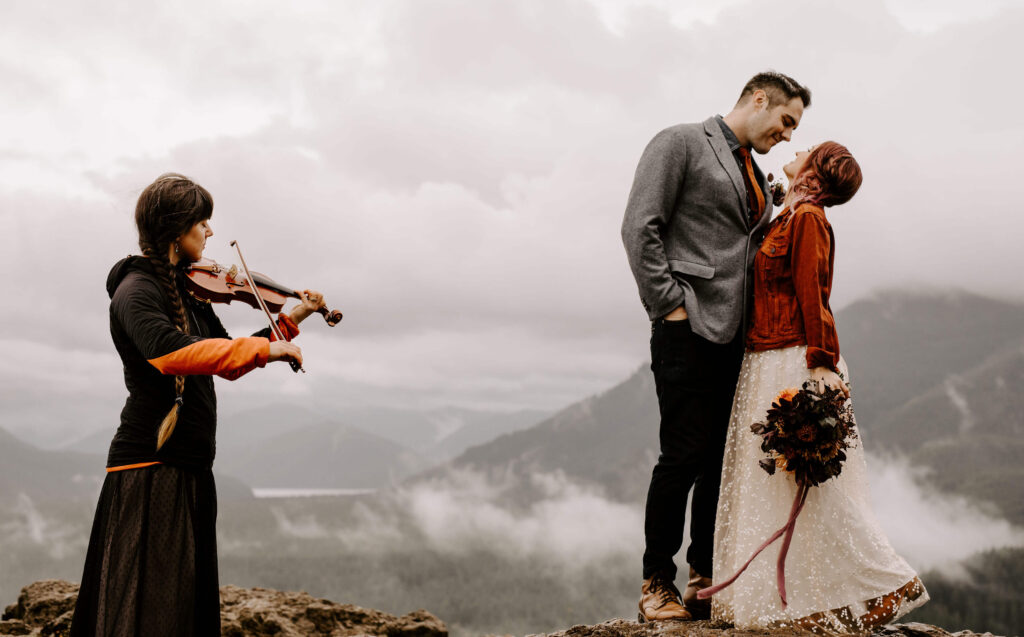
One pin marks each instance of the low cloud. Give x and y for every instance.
(24, 526)
(565, 522)
(463, 513)
(930, 529)
(568, 522)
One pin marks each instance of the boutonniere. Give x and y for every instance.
(777, 190)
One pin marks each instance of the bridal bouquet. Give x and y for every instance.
(806, 433)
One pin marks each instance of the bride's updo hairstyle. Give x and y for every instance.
(830, 176)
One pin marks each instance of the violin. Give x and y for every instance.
(211, 282)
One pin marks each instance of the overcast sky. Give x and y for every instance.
(452, 175)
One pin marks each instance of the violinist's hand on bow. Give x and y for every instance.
(284, 351)
(824, 376)
(311, 302)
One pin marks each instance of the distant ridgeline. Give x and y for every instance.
(935, 377)
(938, 379)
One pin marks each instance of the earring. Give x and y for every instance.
(177, 247)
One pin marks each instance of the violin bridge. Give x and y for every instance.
(233, 272)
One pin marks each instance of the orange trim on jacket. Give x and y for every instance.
(226, 357)
(131, 466)
(792, 283)
(287, 326)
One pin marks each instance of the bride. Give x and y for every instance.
(842, 575)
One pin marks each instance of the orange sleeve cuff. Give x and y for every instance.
(820, 357)
(287, 326)
(225, 357)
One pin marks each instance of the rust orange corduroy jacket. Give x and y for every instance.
(792, 282)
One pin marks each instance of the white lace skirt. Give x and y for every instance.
(840, 565)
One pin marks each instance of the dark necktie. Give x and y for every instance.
(755, 196)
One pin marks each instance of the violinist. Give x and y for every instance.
(151, 565)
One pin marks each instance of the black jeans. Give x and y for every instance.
(695, 380)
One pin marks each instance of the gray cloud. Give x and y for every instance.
(453, 176)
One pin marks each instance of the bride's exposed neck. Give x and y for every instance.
(787, 201)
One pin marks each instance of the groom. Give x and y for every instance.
(695, 218)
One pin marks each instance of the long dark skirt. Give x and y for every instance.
(151, 567)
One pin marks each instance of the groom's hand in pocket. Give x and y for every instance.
(678, 314)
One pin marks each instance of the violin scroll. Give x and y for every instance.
(333, 317)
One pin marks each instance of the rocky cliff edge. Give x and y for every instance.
(45, 608)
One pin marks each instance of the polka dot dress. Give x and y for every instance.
(842, 575)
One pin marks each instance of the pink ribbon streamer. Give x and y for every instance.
(780, 568)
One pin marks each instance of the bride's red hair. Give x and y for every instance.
(830, 176)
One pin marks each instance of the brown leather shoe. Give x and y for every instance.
(659, 599)
(698, 608)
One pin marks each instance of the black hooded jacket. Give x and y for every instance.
(153, 351)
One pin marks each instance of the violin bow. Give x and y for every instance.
(296, 367)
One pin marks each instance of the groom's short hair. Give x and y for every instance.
(779, 87)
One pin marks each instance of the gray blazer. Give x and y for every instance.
(686, 231)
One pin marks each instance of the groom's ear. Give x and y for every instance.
(760, 99)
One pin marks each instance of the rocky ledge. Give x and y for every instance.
(45, 608)
(623, 628)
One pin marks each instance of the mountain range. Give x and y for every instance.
(45, 474)
(934, 378)
(291, 446)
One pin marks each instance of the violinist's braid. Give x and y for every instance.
(166, 209)
(166, 276)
